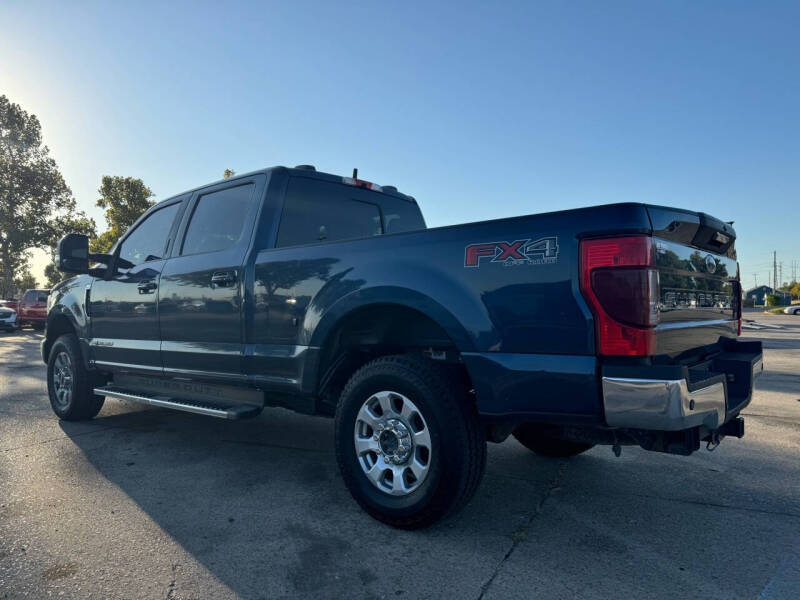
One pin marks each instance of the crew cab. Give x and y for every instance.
(613, 325)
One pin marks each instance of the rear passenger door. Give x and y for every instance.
(313, 211)
(201, 294)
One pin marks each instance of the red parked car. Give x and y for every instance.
(33, 308)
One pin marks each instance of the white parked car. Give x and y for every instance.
(792, 310)
(8, 319)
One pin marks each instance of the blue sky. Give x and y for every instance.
(479, 110)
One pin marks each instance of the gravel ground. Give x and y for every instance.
(151, 503)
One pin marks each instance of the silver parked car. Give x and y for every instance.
(792, 310)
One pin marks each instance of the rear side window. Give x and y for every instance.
(401, 215)
(29, 297)
(42, 297)
(317, 211)
(219, 219)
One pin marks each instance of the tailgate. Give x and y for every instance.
(699, 301)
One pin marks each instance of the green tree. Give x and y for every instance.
(124, 200)
(773, 300)
(228, 173)
(25, 281)
(795, 291)
(35, 202)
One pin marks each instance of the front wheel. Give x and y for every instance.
(532, 437)
(409, 445)
(69, 384)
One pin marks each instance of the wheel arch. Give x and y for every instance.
(59, 322)
(364, 328)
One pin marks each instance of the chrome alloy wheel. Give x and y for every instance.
(62, 379)
(393, 443)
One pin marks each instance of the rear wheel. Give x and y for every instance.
(69, 384)
(409, 445)
(532, 437)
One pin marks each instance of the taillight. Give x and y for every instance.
(621, 286)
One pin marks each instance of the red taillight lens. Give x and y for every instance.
(622, 289)
(628, 295)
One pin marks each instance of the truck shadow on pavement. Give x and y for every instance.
(260, 505)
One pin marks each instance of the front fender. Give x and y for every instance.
(67, 304)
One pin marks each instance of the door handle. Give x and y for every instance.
(147, 287)
(223, 279)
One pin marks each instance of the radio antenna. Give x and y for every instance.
(355, 173)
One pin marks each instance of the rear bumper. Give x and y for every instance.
(709, 394)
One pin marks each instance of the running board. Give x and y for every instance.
(241, 411)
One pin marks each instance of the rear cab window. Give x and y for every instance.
(319, 211)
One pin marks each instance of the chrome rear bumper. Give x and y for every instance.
(666, 404)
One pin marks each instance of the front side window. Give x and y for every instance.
(149, 239)
(316, 211)
(30, 297)
(42, 297)
(219, 220)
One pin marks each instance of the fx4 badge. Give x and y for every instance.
(543, 251)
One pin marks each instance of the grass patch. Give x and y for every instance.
(775, 311)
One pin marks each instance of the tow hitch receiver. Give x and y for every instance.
(734, 427)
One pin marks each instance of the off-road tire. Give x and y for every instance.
(458, 442)
(83, 403)
(531, 436)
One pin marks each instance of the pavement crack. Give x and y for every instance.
(521, 532)
(171, 587)
(724, 506)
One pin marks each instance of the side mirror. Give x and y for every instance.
(73, 253)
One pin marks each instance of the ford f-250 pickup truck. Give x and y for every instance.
(611, 325)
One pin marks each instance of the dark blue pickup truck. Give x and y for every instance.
(327, 295)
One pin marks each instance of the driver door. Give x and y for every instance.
(123, 310)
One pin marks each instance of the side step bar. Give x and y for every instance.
(241, 411)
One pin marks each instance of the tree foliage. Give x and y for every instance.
(124, 200)
(228, 173)
(35, 203)
(773, 300)
(26, 281)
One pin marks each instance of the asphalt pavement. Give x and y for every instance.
(152, 503)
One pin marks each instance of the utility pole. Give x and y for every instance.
(755, 279)
(774, 271)
(780, 273)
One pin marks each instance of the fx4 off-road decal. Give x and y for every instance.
(542, 251)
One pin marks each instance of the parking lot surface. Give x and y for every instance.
(151, 503)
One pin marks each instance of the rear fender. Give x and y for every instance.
(316, 328)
